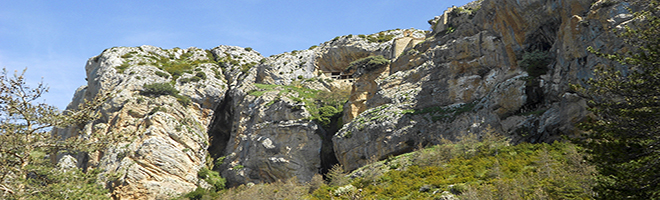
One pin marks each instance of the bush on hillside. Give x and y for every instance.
(158, 89)
(368, 63)
(473, 168)
(535, 63)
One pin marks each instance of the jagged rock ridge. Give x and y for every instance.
(255, 119)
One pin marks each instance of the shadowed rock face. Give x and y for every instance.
(248, 116)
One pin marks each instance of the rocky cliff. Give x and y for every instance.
(503, 64)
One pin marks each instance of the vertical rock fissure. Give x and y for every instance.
(328, 158)
(220, 127)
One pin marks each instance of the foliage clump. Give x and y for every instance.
(213, 178)
(324, 106)
(247, 66)
(175, 67)
(26, 142)
(121, 68)
(368, 63)
(162, 74)
(535, 63)
(380, 37)
(159, 89)
(622, 137)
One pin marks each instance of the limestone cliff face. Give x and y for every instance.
(467, 75)
(268, 133)
(219, 116)
(164, 140)
(252, 117)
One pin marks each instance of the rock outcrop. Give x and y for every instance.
(471, 73)
(260, 119)
(165, 137)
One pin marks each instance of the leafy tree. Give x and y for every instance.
(368, 63)
(26, 140)
(623, 138)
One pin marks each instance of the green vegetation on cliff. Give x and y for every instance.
(158, 89)
(623, 138)
(170, 64)
(368, 63)
(324, 106)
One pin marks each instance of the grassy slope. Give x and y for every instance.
(471, 169)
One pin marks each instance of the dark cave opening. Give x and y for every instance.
(328, 158)
(220, 128)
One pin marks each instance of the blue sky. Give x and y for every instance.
(54, 39)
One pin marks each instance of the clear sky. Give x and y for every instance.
(54, 39)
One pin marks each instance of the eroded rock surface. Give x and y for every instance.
(467, 75)
(260, 119)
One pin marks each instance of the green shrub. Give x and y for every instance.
(380, 37)
(198, 77)
(158, 89)
(337, 176)
(248, 48)
(213, 178)
(55, 184)
(175, 67)
(201, 193)
(123, 67)
(535, 63)
(210, 56)
(184, 80)
(162, 74)
(369, 63)
(326, 113)
(246, 67)
(183, 100)
(201, 75)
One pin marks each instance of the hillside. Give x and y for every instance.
(499, 65)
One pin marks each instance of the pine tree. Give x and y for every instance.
(623, 139)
